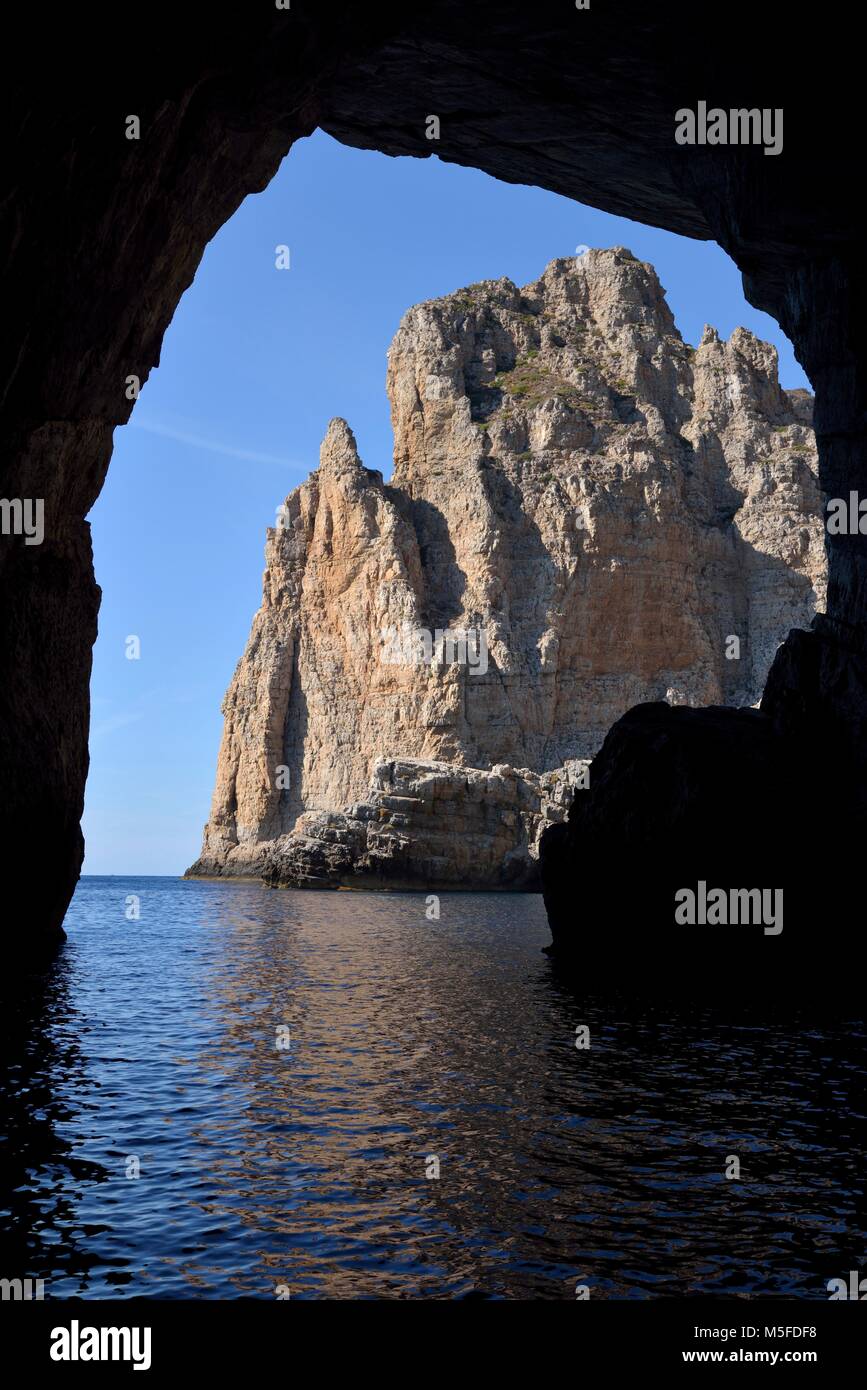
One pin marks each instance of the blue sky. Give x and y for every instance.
(254, 365)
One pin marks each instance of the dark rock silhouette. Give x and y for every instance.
(719, 797)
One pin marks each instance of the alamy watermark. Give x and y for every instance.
(417, 646)
(77, 1343)
(856, 1289)
(22, 1290)
(847, 517)
(741, 126)
(23, 516)
(730, 907)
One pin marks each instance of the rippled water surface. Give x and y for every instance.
(306, 1167)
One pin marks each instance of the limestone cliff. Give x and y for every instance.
(596, 512)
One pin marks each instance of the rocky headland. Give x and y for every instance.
(585, 514)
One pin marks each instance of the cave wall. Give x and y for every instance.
(100, 236)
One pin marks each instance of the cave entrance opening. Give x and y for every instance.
(560, 419)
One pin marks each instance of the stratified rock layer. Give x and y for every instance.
(433, 823)
(617, 517)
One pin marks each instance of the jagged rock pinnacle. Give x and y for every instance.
(606, 504)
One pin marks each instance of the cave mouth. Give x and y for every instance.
(241, 436)
(217, 116)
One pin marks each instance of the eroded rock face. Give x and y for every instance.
(431, 823)
(611, 515)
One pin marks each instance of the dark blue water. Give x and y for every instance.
(155, 1040)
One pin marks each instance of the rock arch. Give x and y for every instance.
(101, 234)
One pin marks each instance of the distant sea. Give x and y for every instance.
(332, 1095)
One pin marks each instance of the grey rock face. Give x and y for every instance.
(611, 517)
